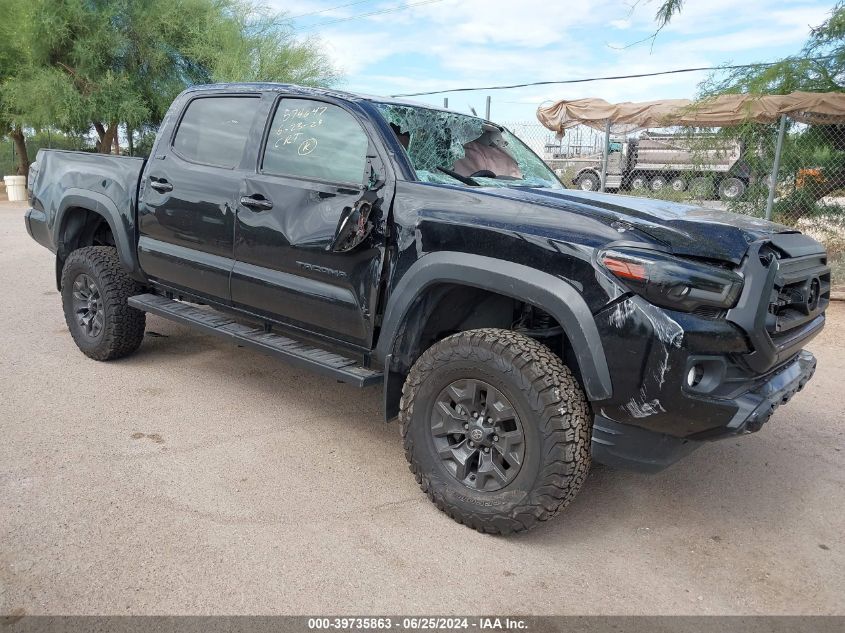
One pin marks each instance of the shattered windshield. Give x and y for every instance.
(448, 147)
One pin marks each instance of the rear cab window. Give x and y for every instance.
(214, 130)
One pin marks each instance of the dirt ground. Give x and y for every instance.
(198, 477)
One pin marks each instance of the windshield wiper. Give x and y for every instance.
(464, 179)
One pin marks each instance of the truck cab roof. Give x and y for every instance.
(312, 91)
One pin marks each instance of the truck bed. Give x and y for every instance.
(61, 179)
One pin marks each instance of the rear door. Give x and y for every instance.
(188, 197)
(316, 161)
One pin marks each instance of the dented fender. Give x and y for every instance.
(97, 183)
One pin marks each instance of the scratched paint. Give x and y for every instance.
(667, 331)
(670, 334)
(644, 409)
(621, 312)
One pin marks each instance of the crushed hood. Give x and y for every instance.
(684, 229)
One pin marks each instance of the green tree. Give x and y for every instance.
(105, 63)
(13, 63)
(819, 67)
(256, 44)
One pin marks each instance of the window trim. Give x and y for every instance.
(217, 95)
(268, 128)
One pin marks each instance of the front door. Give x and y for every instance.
(317, 161)
(186, 215)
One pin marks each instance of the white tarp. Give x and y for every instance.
(721, 111)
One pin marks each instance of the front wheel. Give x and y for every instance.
(496, 429)
(95, 289)
(678, 184)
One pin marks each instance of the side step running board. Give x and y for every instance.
(295, 352)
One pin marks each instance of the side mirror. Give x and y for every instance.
(354, 225)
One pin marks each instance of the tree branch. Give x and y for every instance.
(85, 87)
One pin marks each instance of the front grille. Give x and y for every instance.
(710, 312)
(801, 292)
(786, 290)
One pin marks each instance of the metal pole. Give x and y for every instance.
(487, 111)
(775, 168)
(604, 154)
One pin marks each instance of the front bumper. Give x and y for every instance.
(757, 406)
(636, 448)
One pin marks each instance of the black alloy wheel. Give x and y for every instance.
(478, 435)
(88, 307)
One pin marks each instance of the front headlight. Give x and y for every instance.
(672, 282)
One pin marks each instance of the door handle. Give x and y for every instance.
(160, 185)
(259, 204)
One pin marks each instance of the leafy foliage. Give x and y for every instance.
(75, 65)
(13, 58)
(38, 140)
(667, 10)
(255, 44)
(819, 67)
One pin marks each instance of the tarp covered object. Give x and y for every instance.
(721, 111)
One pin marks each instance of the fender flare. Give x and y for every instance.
(122, 230)
(543, 290)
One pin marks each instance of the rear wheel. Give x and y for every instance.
(731, 189)
(678, 184)
(95, 288)
(496, 430)
(658, 183)
(639, 182)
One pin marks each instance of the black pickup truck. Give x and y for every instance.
(519, 330)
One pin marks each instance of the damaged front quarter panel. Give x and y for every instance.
(647, 350)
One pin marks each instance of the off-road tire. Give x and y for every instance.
(123, 328)
(554, 413)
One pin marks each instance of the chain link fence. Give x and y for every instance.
(792, 172)
(54, 139)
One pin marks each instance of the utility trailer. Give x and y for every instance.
(700, 163)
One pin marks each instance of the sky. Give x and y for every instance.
(441, 44)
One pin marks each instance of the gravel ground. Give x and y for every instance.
(198, 477)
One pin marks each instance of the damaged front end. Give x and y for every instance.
(699, 352)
